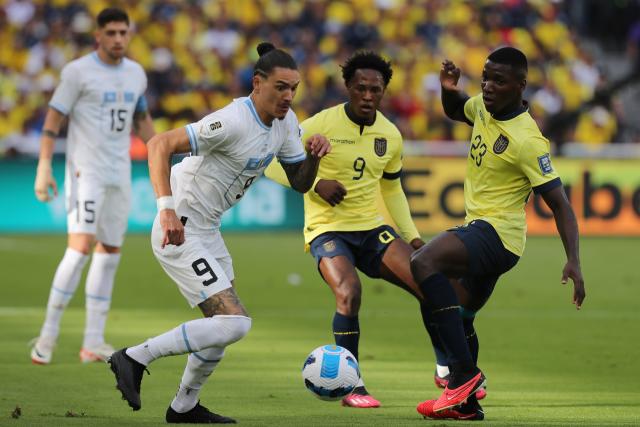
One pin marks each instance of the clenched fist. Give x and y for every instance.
(44, 181)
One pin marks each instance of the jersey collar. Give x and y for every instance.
(508, 116)
(357, 120)
(96, 57)
(249, 102)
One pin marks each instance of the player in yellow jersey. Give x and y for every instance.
(343, 227)
(458, 269)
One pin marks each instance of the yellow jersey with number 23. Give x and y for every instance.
(508, 158)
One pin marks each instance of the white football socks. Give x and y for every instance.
(98, 291)
(65, 283)
(199, 367)
(192, 336)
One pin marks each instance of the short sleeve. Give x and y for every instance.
(292, 151)
(471, 107)
(68, 91)
(141, 105)
(535, 163)
(211, 132)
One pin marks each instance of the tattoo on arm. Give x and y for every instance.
(224, 302)
(50, 133)
(302, 174)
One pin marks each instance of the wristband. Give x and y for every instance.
(165, 202)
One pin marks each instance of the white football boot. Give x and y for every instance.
(99, 353)
(42, 350)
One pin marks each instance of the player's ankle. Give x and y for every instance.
(461, 373)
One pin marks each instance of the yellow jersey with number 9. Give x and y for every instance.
(508, 158)
(360, 156)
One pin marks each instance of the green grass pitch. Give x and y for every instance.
(546, 363)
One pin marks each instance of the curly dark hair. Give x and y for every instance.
(369, 60)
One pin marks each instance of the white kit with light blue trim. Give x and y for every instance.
(100, 100)
(230, 149)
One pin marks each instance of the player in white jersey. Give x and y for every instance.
(230, 149)
(102, 94)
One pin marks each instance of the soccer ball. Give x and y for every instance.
(330, 372)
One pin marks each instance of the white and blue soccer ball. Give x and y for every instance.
(330, 372)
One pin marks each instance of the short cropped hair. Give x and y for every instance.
(512, 57)
(366, 60)
(270, 58)
(112, 14)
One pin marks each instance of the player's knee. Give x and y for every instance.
(84, 249)
(422, 265)
(235, 327)
(348, 301)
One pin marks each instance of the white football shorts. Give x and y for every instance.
(201, 266)
(97, 208)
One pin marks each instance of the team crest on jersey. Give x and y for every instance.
(380, 146)
(329, 246)
(501, 144)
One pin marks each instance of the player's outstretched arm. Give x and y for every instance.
(453, 98)
(44, 175)
(161, 147)
(301, 175)
(567, 226)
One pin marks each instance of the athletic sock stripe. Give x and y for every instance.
(186, 340)
(202, 359)
(61, 291)
(453, 307)
(98, 297)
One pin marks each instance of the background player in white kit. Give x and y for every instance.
(230, 149)
(102, 94)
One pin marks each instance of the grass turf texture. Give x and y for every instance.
(546, 363)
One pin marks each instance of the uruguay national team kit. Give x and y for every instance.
(230, 149)
(100, 101)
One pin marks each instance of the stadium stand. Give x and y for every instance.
(198, 55)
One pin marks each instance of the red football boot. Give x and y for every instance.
(458, 395)
(469, 414)
(360, 398)
(441, 382)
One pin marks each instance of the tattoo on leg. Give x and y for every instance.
(224, 302)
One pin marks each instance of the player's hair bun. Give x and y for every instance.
(265, 47)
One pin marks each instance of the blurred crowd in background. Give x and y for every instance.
(199, 55)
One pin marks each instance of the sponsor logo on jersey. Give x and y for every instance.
(215, 126)
(342, 141)
(481, 114)
(380, 146)
(500, 146)
(544, 162)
